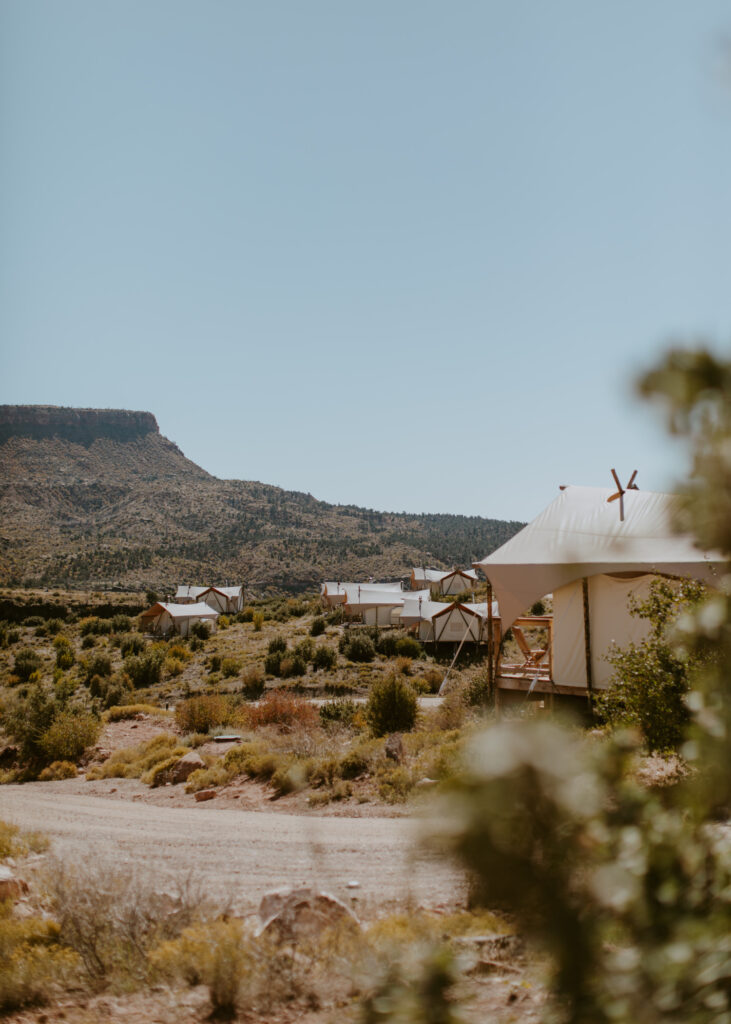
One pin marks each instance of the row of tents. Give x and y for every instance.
(593, 557)
(190, 606)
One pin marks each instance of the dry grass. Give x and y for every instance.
(136, 761)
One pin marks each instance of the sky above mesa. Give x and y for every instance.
(401, 254)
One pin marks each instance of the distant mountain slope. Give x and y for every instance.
(100, 497)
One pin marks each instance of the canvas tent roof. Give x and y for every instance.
(580, 534)
(185, 591)
(469, 573)
(331, 588)
(227, 591)
(182, 611)
(430, 575)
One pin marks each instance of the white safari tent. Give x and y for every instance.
(188, 595)
(443, 581)
(226, 600)
(334, 594)
(177, 618)
(592, 555)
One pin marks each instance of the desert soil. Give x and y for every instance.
(238, 854)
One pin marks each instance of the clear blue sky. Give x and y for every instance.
(401, 254)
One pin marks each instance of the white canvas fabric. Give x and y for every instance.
(457, 581)
(188, 594)
(414, 611)
(179, 617)
(580, 534)
(611, 625)
(360, 596)
(224, 599)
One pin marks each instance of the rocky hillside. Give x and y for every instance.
(98, 497)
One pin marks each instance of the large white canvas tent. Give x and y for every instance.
(177, 618)
(581, 537)
(455, 623)
(227, 600)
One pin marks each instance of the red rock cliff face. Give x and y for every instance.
(82, 426)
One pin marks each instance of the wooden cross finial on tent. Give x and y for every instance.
(631, 486)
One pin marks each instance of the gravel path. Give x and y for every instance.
(239, 854)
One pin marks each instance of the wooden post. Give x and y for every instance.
(490, 645)
(587, 640)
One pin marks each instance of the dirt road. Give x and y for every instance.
(239, 854)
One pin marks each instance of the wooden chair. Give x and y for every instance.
(532, 658)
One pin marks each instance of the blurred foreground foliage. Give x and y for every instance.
(626, 889)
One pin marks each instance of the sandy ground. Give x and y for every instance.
(239, 854)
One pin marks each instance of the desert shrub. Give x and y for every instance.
(277, 645)
(69, 735)
(230, 667)
(133, 643)
(386, 643)
(305, 649)
(40, 631)
(409, 647)
(112, 917)
(651, 680)
(273, 663)
(247, 615)
(179, 651)
(201, 714)
(28, 718)
(395, 784)
(318, 626)
(223, 621)
(403, 666)
(121, 623)
(324, 658)
(432, 678)
(17, 843)
(355, 763)
(173, 667)
(58, 770)
(94, 626)
(117, 714)
(258, 620)
(54, 626)
(293, 665)
(26, 662)
(281, 710)
(214, 663)
(34, 966)
(252, 682)
(96, 665)
(219, 955)
(338, 712)
(33, 620)
(110, 692)
(133, 762)
(145, 670)
(64, 652)
(200, 630)
(359, 647)
(391, 707)
(88, 642)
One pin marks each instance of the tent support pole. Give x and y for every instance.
(587, 643)
(490, 646)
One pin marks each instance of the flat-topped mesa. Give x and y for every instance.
(82, 426)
